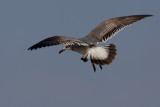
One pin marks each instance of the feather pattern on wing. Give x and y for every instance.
(57, 40)
(109, 28)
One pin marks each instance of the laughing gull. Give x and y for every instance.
(100, 55)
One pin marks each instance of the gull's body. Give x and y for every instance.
(86, 46)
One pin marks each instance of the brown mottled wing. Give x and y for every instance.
(108, 28)
(57, 40)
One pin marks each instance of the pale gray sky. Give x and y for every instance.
(43, 78)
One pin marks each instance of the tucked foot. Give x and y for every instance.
(84, 59)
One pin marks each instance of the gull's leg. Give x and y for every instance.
(94, 68)
(100, 67)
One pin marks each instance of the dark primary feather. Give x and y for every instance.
(110, 27)
(57, 40)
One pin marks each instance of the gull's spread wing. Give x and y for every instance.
(57, 40)
(109, 28)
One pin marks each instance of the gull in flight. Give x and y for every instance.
(100, 55)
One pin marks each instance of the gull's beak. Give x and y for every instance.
(61, 51)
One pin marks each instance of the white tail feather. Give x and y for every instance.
(97, 53)
(100, 55)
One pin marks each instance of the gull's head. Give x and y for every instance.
(67, 47)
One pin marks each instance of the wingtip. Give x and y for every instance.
(148, 15)
(143, 15)
(33, 48)
(29, 49)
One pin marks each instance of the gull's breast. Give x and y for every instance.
(80, 49)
